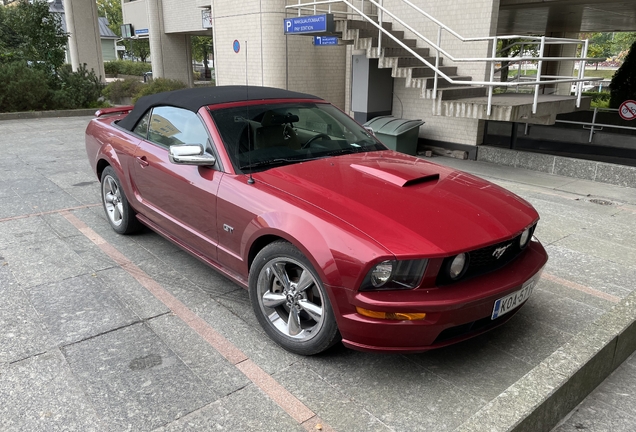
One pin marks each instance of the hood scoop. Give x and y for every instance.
(401, 175)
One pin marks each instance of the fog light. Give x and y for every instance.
(457, 266)
(401, 316)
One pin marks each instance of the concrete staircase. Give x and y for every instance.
(452, 100)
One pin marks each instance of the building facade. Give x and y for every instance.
(250, 46)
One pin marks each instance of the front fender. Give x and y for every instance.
(339, 255)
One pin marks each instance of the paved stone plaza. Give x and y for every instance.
(106, 332)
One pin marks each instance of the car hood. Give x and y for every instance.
(408, 205)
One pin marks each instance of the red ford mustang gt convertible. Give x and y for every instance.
(335, 236)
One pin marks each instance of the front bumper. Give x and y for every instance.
(453, 313)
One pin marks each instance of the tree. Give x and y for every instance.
(28, 32)
(513, 48)
(111, 10)
(623, 85)
(621, 43)
(201, 50)
(140, 48)
(600, 46)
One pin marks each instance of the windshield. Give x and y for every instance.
(262, 136)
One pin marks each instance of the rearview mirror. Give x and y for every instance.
(190, 154)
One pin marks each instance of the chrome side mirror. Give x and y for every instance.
(190, 154)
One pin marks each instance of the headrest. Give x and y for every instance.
(271, 118)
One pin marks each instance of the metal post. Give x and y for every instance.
(492, 76)
(522, 66)
(439, 45)
(380, 29)
(299, 3)
(513, 136)
(539, 66)
(579, 86)
(592, 127)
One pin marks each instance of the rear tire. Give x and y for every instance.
(119, 213)
(290, 301)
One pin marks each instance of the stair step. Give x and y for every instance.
(364, 25)
(374, 33)
(442, 83)
(426, 72)
(462, 92)
(403, 53)
(390, 43)
(415, 62)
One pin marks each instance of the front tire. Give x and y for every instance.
(290, 301)
(119, 213)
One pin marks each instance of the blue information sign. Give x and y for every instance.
(325, 40)
(309, 24)
(141, 31)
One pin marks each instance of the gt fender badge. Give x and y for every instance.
(500, 251)
(228, 228)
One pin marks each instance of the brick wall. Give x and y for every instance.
(408, 104)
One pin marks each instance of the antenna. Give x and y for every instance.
(250, 180)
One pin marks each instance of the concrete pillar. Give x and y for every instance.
(557, 21)
(171, 54)
(84, 42)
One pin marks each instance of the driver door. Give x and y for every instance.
(179, 199)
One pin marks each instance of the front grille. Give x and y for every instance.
(472, 327)
(484, 260)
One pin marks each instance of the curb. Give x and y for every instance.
(546, 394)
(601, 172)
(47, 114)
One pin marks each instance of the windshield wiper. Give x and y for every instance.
(346, 151)
(274, 162)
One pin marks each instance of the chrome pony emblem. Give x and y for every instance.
(501, 250)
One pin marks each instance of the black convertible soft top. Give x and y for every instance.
(194, 98)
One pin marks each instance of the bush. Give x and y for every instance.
(80, 89)
(126, 67)
(28, 88)
(111, 68)
(22, 88)
(623, 85)
(599, 99)
(159, 85)
(118, 90)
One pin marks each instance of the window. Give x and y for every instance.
(142, 127)
(170, 125)
(265, 135)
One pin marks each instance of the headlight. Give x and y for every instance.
(392, 274)
(523, 240)
(458, 266)
(525, 236)
(381, 273)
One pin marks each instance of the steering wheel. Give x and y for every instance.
(314, 138)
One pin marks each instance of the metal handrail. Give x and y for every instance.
(597, 126)
(541, 41)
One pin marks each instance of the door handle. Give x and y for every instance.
(142, 161)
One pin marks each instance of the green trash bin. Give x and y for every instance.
(396, 133)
